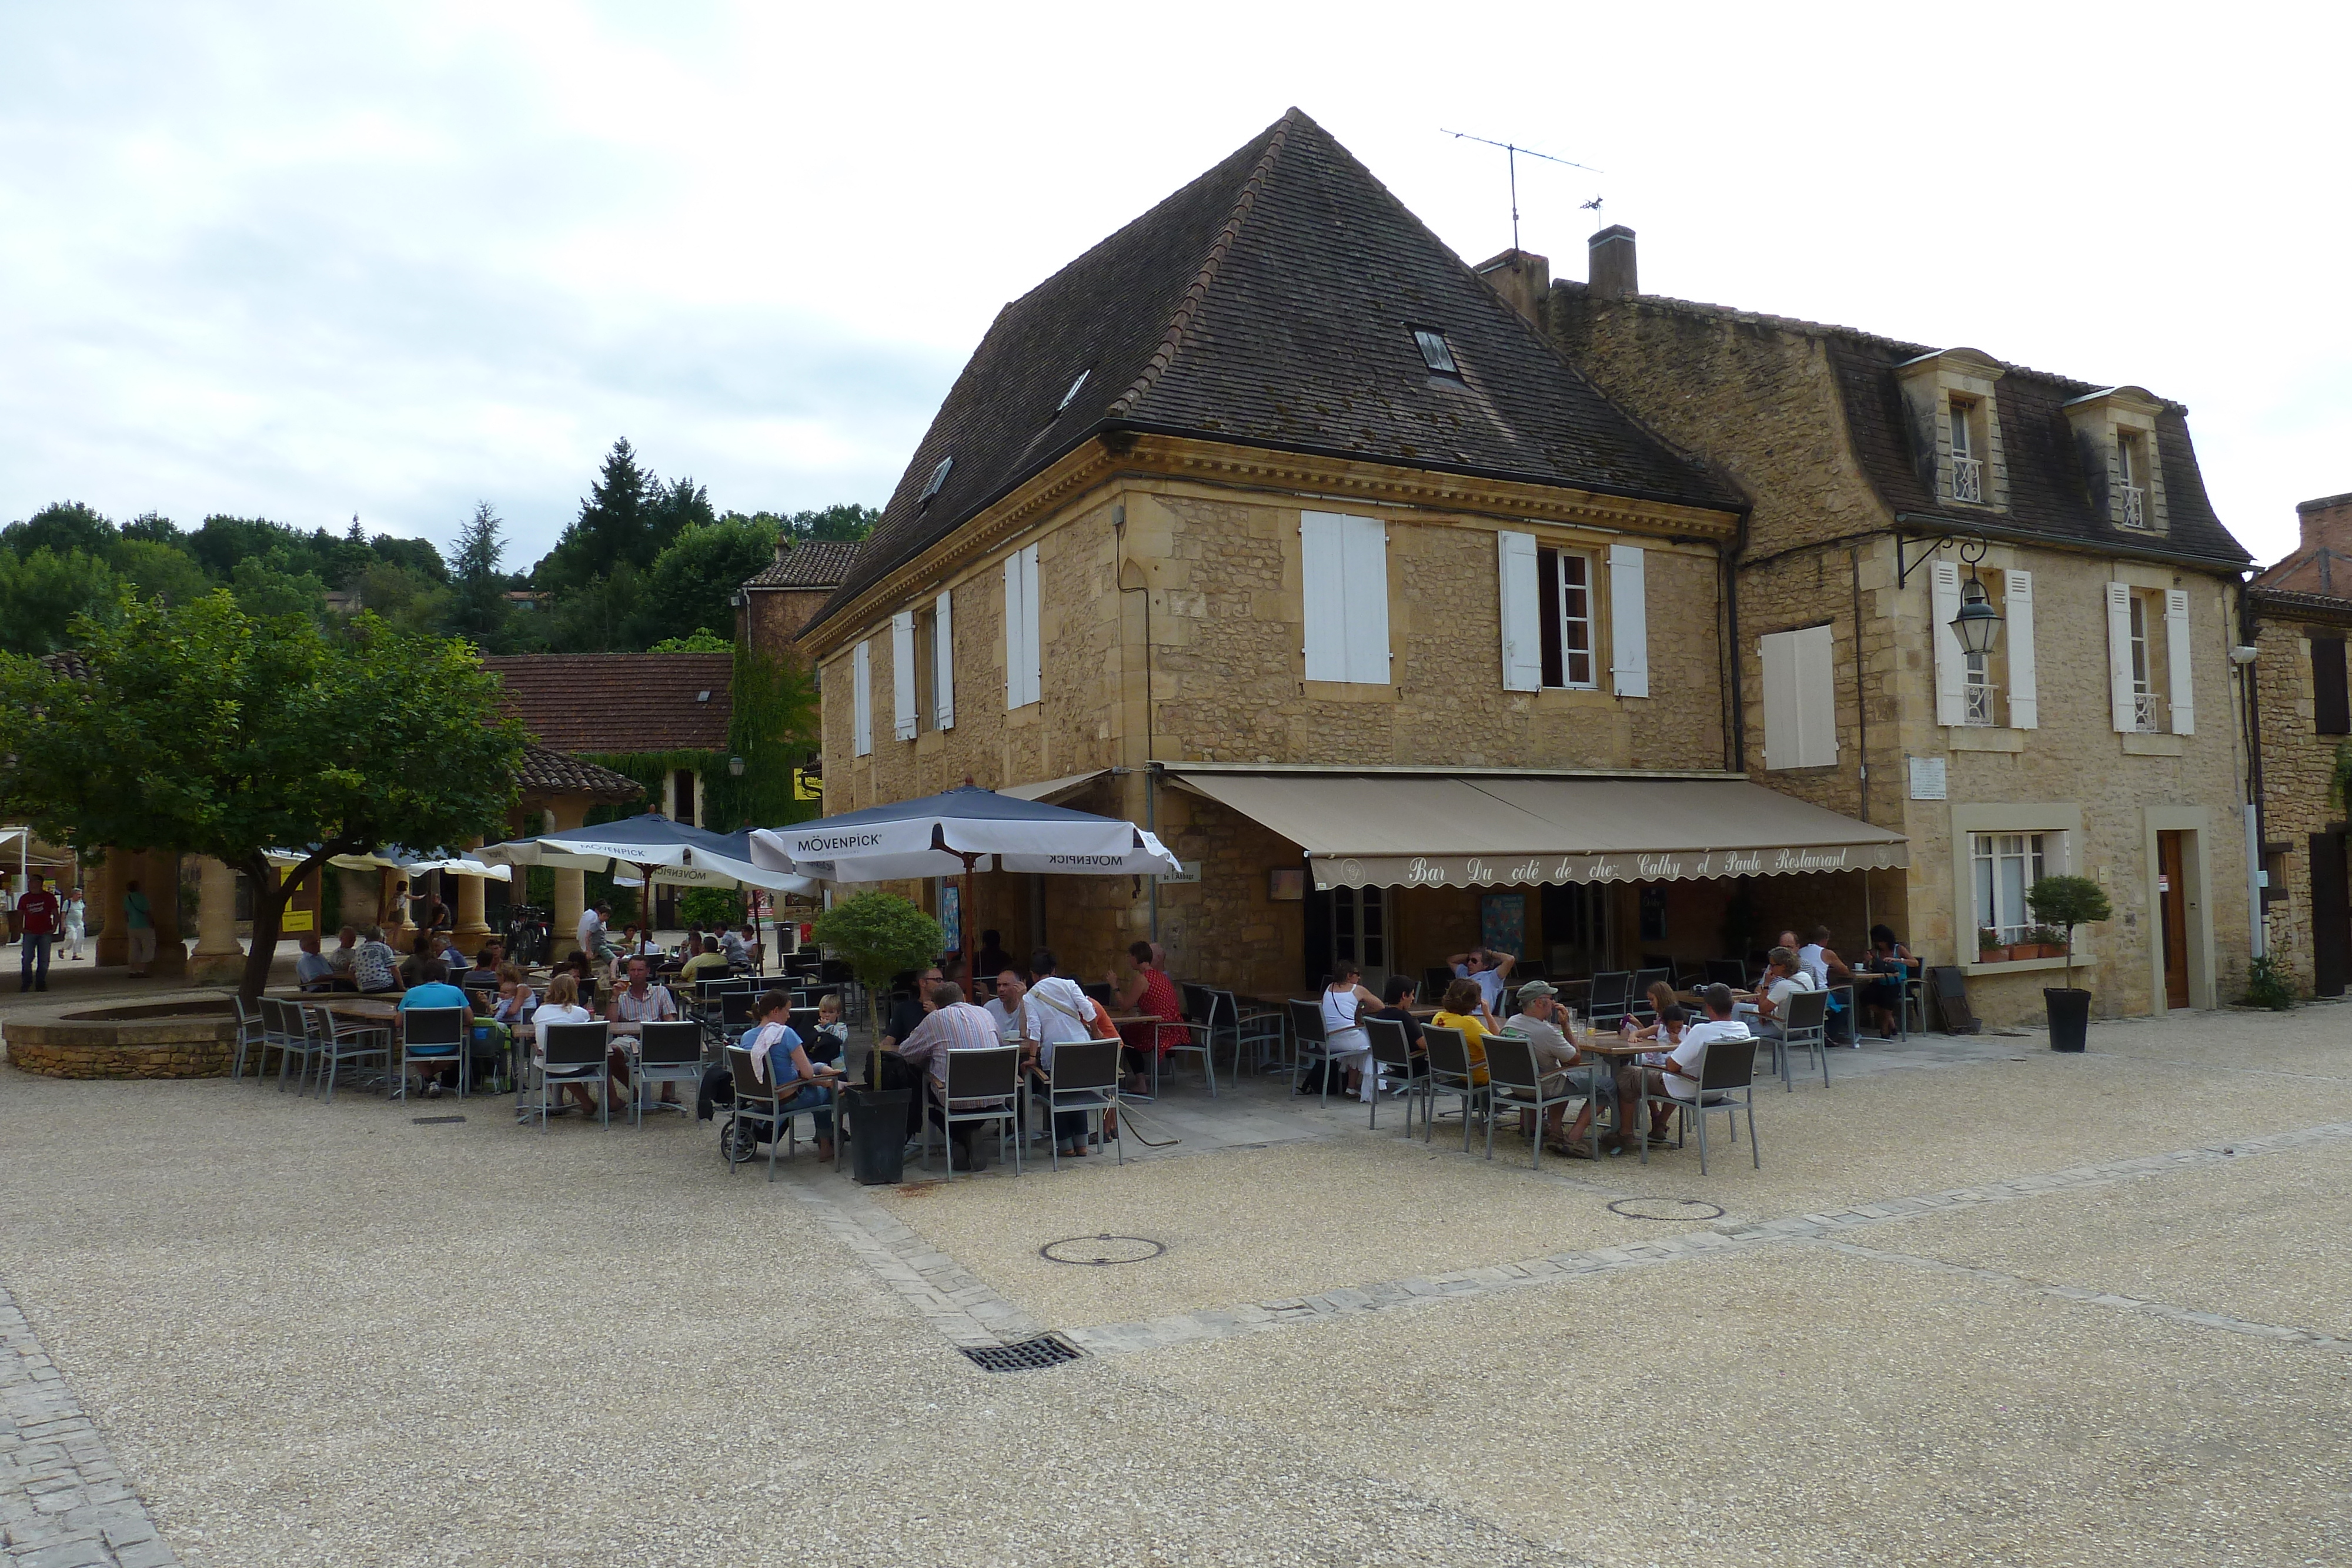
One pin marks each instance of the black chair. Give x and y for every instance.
(1083, 1079)
(1433, 981)
(1610, 999)
(1311, 1044)
(1106, 995)
(668, 1052)
(1727, 972)
(1638, 1002)
(1393, 1054)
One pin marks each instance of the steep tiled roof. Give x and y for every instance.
(812, 563)
(68, 663)
(545, 772)
(1271, 303)
(2048, 491)
(619, 702)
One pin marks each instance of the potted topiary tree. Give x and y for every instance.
(878, 935)
(2063, 903)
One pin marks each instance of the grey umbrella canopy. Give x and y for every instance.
(957, 832)
(657, 848)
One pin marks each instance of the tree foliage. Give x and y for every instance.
(879, 934)
(2066, 902)
(41, 593)
(693, 582)
(209, 730)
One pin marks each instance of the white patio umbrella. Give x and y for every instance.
(959, 831)
(395, 858)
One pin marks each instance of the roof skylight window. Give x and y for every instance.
(939, 478)
(1435, 353)
(1071, 395)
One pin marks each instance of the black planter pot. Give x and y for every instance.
(2070, 1018)
(878, 1134)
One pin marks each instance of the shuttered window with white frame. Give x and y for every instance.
(2017, 610)
(1344, 592)
(1629, 621)
(1800, 698)
(1523, 612)
(902, 674)
(2181, 698)
(2122, 702)
(1024, 682)
(861, 700)
(1951, 662)
(943, 665)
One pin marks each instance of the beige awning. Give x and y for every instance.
(1514, 830)
(1054, 792)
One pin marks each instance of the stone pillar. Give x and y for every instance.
(472, 928)
(105, 902)
(218, 960)
(570, 890)
(362, 900)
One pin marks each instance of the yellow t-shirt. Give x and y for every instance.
(1474, 1034)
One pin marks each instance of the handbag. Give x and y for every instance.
(1097, 1022)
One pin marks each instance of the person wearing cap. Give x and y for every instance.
(1544, 1023)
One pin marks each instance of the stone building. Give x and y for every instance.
(771, 608)
(2101, 735)
(2300, 610)
(1269, 525)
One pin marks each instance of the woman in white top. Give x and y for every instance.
(1345, 1001)
(76, 913)
(561, 1005)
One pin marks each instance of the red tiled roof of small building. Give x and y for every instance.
(611, 703)
(812, 563)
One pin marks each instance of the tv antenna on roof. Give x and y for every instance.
(1592, 206)
(1511, 151)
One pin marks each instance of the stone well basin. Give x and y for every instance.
(195, 1037)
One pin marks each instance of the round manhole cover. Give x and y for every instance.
(1664, 1208)
(1102, 1250)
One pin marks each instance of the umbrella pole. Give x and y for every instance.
(963, 937)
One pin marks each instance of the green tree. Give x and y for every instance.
(615, 526)
(419, 556)
(601, 616)
(408, 600)
(156, 527)
(879, 934)
(2066, 902)
(61, 527)
(477, 604)
(210, 731)
(223, 541)
(263, 587)
(42, 593)
(155, 568)
(693, 582)
(847, 522)
(702, 640)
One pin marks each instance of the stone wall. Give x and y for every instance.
(2297, 765)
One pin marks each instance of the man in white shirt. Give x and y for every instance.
(1054, 1012)
(1674, 1072)
(1008, 1005)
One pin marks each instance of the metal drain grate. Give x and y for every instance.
(1665, 1208)
(434, 1121)
(1045, 1349)
(1103, 1250)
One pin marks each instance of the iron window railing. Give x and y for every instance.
(1968, 478)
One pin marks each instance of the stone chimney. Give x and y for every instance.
(1610, 273)
(784, 546)
(2327, 522)
(1521, 279)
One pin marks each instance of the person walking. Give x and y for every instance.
(36, 916)
(139, 929)
(8, 908)
(76, 922)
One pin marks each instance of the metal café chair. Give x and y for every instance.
(1514, 1083)
(1393, 1054)
(1637, 999)
(1450, 1072)
(576, 1053)
(668, 1051)
(1197, 1038)
(282, 1028)
(336, 1042)
(1610, 999)
(251, 1035)
(1308, 1044)
(1803, 1022)
(1084, 1078)
(993, 1076)
(1726, 1082)
(756, 1105)
(1255, 1027)
(435, 1036)
(1727, 972)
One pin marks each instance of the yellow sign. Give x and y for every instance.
(294, 922)
(808, 786)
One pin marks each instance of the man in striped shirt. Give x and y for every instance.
(953, 1024)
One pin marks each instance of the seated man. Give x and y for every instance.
(313, 971)
(1490, 969)
(374, 965)
(640, 1001)
(1783, 978)
(1672, 1072)
(343, 953)
(1539, 1020)
(704, 962)
(953, 1024)
(432, 988)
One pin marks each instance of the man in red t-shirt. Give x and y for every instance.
(38, 913)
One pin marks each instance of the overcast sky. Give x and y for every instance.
(306, 261)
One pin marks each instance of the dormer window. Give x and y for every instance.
(1436, 352)
(939, 478)
(2131, 475)
(1952, 398)
(1070, 396)
(1968, 449)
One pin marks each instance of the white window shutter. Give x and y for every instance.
(1629, 621)
(1366, 574)
(2176, 653)
(1951, 664)
(1021, 683)
(1815, 650)
(2017, 595)
(1322, 585)
(1778, 652)
(1032, 636)
(902, 674)
(2122, 709)
(943, 665)
(1522, 613)
(1012, 629)
(861, 704)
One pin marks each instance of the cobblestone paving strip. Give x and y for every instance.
(63, 1503)
(967, 1312)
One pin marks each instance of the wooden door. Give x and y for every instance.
(2331, 914)
(2172, 903)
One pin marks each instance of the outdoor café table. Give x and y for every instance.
(1615, 1050)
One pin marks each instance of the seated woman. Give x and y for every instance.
(1147, 989)
(1880, 1000)
(1661, 997)
(779, 1057)
(1466, 1009)
(1396, 998)
(563, 1006)
(1345, 1004)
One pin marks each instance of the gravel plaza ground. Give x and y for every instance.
(1982, 1304)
